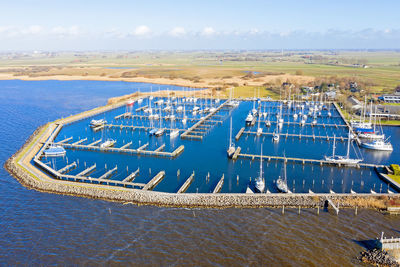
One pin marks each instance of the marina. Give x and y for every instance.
(130, 128)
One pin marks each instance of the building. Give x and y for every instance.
(355, 103)
(390, 98)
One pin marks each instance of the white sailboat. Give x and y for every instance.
(259, 182)
(346, 160)
(231, 148)
(281, 184)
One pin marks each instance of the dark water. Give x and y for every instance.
(42, 229)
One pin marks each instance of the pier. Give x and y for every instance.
(140, 150)
(237, 152)
(64, 141)
(131, 176)
(239, 134)
(79, 141)
(191, 132)
(68, 167)
(326, 137)
(108, 173)
(153, 182)
(218, 187)
(95, 143)
(303, 160)
(126, 145)
(87, 171)
(186, 184)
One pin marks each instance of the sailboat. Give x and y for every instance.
(161, 130)
(259, 182)
(259, 129)
(346, 160)
(231, 148)
(281, 184)
(249, 119)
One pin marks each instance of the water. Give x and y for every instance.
(209, 155)
(43, 229)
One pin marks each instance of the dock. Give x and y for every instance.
(141, 108)
(239, 134)
(108, 173)
(186, 184)
(219, 185)
(68, 167)
(131, 176)
(389, 180)
(143, 146)
(160, 148)
(303, 160)
(79, 141)
(126, 145)
(64, 141)
(191, 132)
(124, 115)
(95, 143)
(237, 152)
(153, 182)
(98, 128)
(87, 171)
(326, 137)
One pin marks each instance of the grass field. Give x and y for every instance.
(224, 69)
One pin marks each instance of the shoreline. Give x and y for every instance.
(20, 167)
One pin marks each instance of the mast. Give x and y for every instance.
(348, 146)
(230, 135)
(261, 160)
(334, 146)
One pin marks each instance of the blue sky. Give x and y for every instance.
(218, 24)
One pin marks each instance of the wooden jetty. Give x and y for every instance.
(307, 124)
(98, 128)
(124, 115)
(131, 176)
(389, 243)
(153, 182)
(68, 167)
(108, 173)
(140, 150)
(141, 108)
(188, 134)
(303, 160)
(177, 118)
(326, 137)
(160, 148)
(126, 145)
(186, 184)
(237, 152)
(87, 171)
(143, 147)
(95, 143)
(218, 187)
(64, 141)
(239, 134)
(389, 180)
(79, 141)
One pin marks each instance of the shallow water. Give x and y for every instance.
(42, 229)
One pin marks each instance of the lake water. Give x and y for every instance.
(42, 229)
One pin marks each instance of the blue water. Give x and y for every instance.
(47, 229)
(208, 157)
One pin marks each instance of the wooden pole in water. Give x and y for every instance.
(283, 209)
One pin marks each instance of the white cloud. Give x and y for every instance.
(208, 31)
(141, 31)
(177, 31)
(66, 31)
(33, 29)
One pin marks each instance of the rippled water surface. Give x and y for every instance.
(41, 229)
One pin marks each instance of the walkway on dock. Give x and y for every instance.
(303, 161)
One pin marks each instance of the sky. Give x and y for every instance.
(191, 25)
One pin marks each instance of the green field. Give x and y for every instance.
(382, 74)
